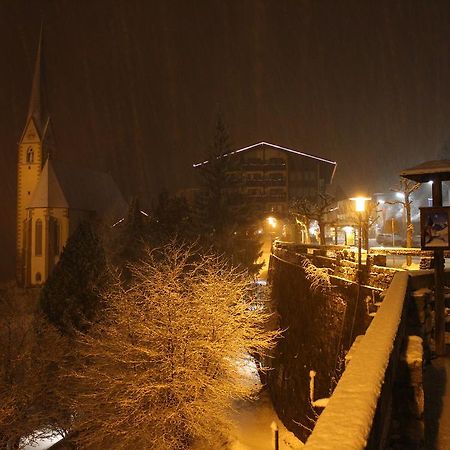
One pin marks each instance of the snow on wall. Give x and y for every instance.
(346, 422)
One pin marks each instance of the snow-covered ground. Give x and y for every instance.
(43, 444)
(253, 431)
(252, 422)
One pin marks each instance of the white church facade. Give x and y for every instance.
(52, 197)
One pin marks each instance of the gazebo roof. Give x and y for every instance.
(428, 171)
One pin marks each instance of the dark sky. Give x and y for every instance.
(134, 87)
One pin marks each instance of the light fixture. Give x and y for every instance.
(272, 221)
(360, 203)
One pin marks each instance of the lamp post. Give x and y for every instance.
(360, 206)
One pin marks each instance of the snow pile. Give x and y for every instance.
(346, 421)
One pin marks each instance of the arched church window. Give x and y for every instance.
(30, 155)
(38, 238)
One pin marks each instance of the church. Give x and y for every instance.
(53, 197)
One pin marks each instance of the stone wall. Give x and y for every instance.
(319, 328)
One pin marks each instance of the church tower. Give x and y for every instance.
(32, 153)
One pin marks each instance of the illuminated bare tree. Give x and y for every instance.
(406, 188)
(369, 220)
(163, 367)
(305, 211)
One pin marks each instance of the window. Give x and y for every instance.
(38, 277)
(38, 238)
(30, 155)
(54, 235)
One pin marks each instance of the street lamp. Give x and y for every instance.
(360, 206)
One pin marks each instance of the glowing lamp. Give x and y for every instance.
(360, 203)
(272, 221)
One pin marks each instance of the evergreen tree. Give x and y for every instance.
(171, 219)
(70, 298)
(130, 235)
(215, 200)
(224, 221)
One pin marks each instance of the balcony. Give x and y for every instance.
(255, 182)
(253, 164)
(276, 197)
(275, 182)
(275, 164)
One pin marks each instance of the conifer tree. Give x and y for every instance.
(130, 236)
(224, 220)
(171, 218)
(70, 298)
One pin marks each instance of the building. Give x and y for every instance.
(268, 177)
(52, 197)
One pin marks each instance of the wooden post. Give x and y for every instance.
(439, 300)
(274, 428)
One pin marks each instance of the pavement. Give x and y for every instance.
(437, 403)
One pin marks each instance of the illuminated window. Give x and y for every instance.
(30, 155)
(38, 238)
(38, 277)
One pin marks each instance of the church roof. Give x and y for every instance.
(64, 186)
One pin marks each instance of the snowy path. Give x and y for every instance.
(253, 430)
(252, 420)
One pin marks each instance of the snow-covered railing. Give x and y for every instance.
(347, 421)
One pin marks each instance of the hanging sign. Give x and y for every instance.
(434, 228)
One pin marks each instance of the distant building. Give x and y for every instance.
(52, 197)
(268, 177)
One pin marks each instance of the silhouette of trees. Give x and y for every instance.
(70, 298)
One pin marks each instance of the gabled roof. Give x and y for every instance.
(330, 165)
(279, 147)
(429, 170)
(48, 192)
(64, 186)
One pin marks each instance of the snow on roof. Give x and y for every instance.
(296, 152)
(346, 422)
(428, 170)
(48, 192)
(64, 186)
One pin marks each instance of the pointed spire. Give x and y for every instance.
(34, 109)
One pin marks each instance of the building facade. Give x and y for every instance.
(269, 177)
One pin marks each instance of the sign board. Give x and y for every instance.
(434, 228)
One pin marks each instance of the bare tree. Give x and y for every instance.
(406, 188)
(29, 352)
(165, 364)
(305, 211)
(370, 217)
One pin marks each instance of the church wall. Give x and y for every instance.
(51, 246)
(29, 169)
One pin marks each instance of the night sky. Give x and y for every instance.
(134, 87)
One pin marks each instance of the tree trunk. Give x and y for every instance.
(409, 228)
(321, 232)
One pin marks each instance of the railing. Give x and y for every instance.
(356, 416)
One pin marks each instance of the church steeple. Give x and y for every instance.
(32, 154)
(35, 105)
